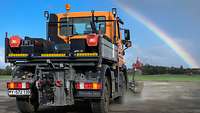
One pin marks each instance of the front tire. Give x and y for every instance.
(102, 105)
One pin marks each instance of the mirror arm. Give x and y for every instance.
(125, 48)
(120, 21)
(93, 25)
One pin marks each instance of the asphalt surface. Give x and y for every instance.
(156, 97)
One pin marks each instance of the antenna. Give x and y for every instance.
(6, 34)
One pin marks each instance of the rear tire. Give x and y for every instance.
(102, 106)
(25, 106)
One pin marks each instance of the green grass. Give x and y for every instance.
(167, 78)
(5, 77)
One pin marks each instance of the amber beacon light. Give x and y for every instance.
(67, 6)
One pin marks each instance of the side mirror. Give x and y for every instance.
(127, 34)
(46, 14)
(128, 44)
(114, 11)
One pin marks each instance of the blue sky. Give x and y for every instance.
(180, 19)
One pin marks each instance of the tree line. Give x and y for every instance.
(148, 69)
(5, 71)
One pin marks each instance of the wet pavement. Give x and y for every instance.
(156, 97)
(163, 97)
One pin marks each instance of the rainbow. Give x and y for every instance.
(180, 51)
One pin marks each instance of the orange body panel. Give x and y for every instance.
(109, 30)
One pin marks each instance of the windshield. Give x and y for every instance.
(79, 26)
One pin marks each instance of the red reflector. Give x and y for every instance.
(87, 85)
(14, 41)
(92, 40)
(58, 83)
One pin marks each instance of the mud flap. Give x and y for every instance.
(59, 93)
(63, 94)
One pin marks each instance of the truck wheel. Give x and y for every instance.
(102, 106)
(120, 99)
(25, 106)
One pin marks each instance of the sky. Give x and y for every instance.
(179, 19)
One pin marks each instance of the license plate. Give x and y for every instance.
(19, 92)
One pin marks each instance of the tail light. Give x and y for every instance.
(18, 85)
(14, 41)
(88, 86)
(92, 40)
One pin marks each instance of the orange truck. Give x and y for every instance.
(81, 59)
